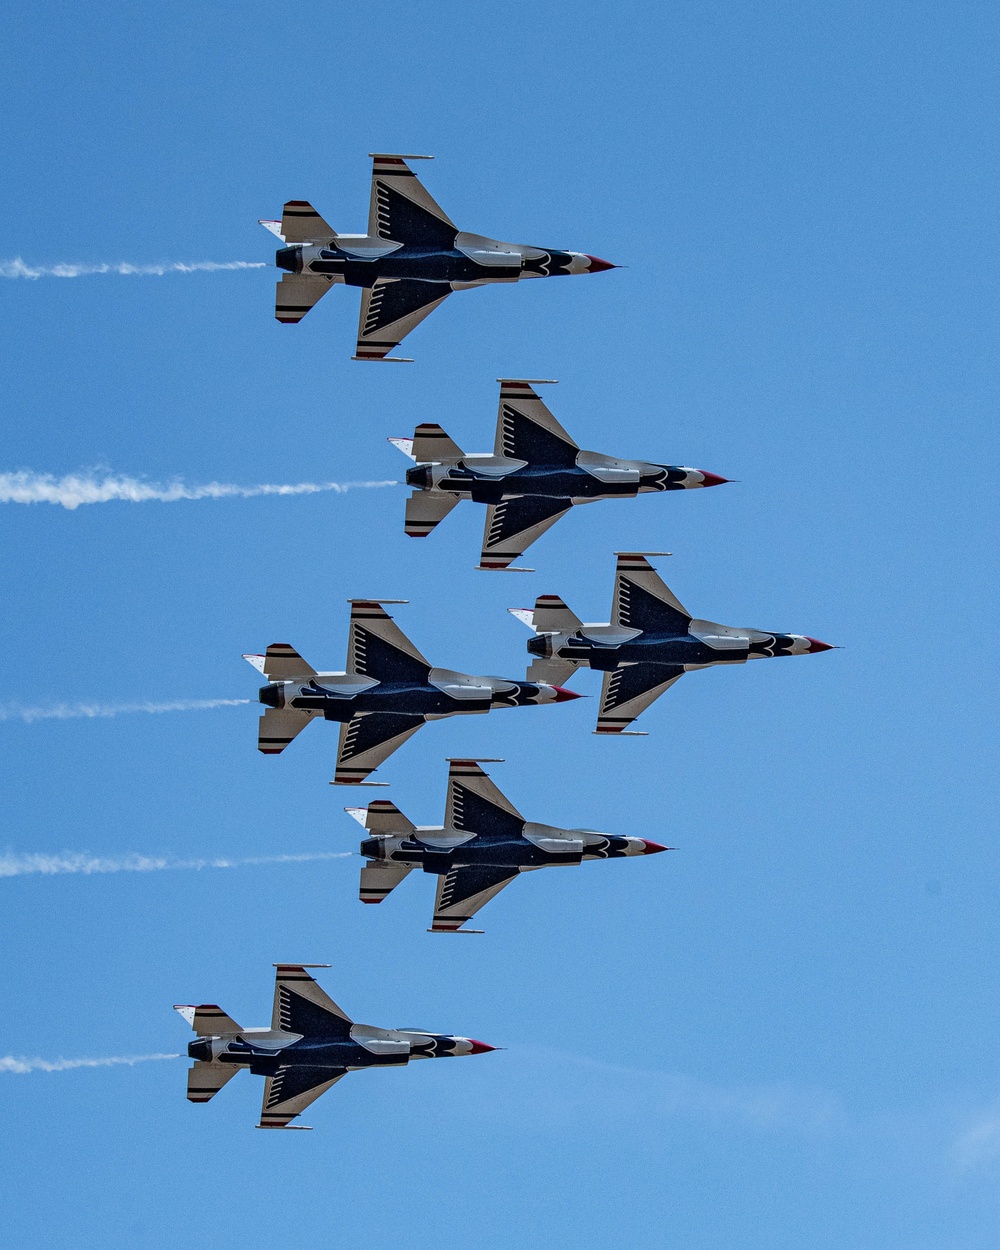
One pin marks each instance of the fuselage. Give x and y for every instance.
(341, 696)
(263, 1051)
(471, 260)
(490, 479)
(607, 647)
(438, 850)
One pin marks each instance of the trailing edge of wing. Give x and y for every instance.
(463, 892)
(630, 690)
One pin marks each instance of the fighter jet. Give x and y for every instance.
(310, 1045)
(387, 692)
(410, 260)
(651, 641)
(483, 845)
(534, 476)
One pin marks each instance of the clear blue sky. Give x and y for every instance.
(784, 1034)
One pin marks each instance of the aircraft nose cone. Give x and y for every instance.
(712, 479)
(816, 645)
(563, 695)
(597, 265)
(479, 1048)
(653, 847)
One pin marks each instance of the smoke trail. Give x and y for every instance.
(91, 711)
(16, 268)
(75, 489)
(9, 1064)
(12, 865)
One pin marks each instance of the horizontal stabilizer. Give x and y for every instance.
(296, 294)
(552, 616)
(552, 672)
(405, 445)
(274, 227)
(425, 511)
(277, 727)
(300, 223)
(382, 816)
(380, 879)
(206, 1079)
(430, 442)
(207, 1019)
(283, 663)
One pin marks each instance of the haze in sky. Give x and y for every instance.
(782, 1034)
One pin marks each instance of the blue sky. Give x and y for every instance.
(783, 1033)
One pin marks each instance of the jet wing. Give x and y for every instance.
(476, 804)
(296, 293)
(425, 510)
(643, 600)
(463, 892)
(378, 648)
(302, 1006)
(630, 690)
(402, 209)
(291, 1090)
(514, 524)
(206, 1079)
(367, 740)
(526, 430)
(390, 309)
(277, 727)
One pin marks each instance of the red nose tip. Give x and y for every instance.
(596, 264)
(816, 645)
(479, 1048)
(653, 847)
(562, 694)
(712, 479)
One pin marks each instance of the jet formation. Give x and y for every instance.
(386, 693)
(310, 1045)
(484, 844)
(535, 474)
(651, 641)
(407, 263)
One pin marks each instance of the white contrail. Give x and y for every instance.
(74, 489)
(9, 1064)
(16, 268)
(90, 711)
(12, 865)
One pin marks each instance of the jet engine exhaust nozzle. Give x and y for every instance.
(420, 476)
(200, 1048)
(271, 696)
(289, 258)
(540, 645)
